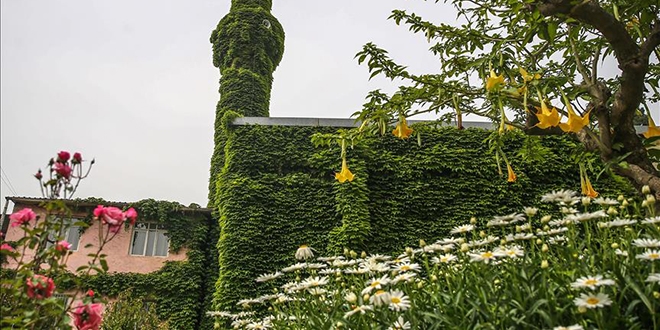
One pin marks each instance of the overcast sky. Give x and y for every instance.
(132, 84)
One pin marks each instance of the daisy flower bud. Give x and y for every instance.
(473, 221)
(546, 218)
(544, 248)
(646, 189)
(612, 211)
(544, 264)
(615, 245)
(586, 200)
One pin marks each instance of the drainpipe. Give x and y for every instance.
(5, 218)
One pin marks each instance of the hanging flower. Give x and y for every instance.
(547, 118)
(402, 130)
(653, 130)
(345, 174)
(494, 81)
(528, 77)
(511, 175)
(575, 122)
(587, 188)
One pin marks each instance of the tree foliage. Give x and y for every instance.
(515, 57)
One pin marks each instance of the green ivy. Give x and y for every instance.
(277, 191)
(248, 45)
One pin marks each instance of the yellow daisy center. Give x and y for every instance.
(375, 284)
(654, 256)
(593, 301)
(590, 281)
(379, 292)
(396, 300)
(406, 267)
(487, 255)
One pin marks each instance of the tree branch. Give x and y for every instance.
(652, 41)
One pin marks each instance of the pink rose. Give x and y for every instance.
(40, 287)
(63, 156)
(88, 317)
(22, 217)
(77, 158)
(63, 170)
(7, 247)
(63, 246)
(131, 214)
(110, 215)
(38, 175)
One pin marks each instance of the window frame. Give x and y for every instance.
(156, 230)
(70, 222)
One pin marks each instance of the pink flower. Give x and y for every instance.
(131, 214)
(7, 247)
(77, 158)
(22, 217)
(110, 215)
(38, 175)
(63, 170)
(63, 246)
(87, 317)
(40, 287)
(63, 156)
(90, 293)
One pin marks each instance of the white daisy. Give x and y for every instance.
(316, 291)
(247, 302)
(221, 314)
(646, 242)
(653, 220)
(462, 229)
(269, 277)
(604, 201)
(519, 237)
(591, 282)
(556, 239)
(582, 217)
(358, 309)
(240, 323)
(485, 256)
(450, 240)
(570, 327)
(399, 301)
(263, 324)
(378, 257)
(298, 266)
(654, 277)
(343, 263)
(314, 281)
(399, 260)
(514, 251)
(304, 252)
(375, 266)
(445, 258)
(403, 277)
(381, 297)
(616, 223)
(649, 255)
(561, 196)
(561, 222)
(350, 297)
(620, 252)
(358, 271)
(376, 283)
(405, 267)
(510, 218)
(400, 324)
(591, 300)
(330, 259)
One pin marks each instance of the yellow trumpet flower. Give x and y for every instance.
(528, 77)
(575, 122)
(345, 174)
(653, 130)
(547, 118)
(402, 130)
(494, 81)
(511, 175)
(587, 188)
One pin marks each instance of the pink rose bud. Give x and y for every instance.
(88, 317)
(40, 287)
(22, 217)
(90, 293)
(38, 175)
(131, 214)
(7, 247)
(77, 158)
(63, 246)
(63, 170)
(63, 156)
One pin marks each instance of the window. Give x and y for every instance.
(69, 233)
(149, 239)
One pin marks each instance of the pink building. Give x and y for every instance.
(143, 248)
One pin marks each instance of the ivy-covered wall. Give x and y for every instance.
(277, 191)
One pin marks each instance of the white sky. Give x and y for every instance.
(132, 84)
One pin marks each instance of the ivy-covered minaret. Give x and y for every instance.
(248, 44)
